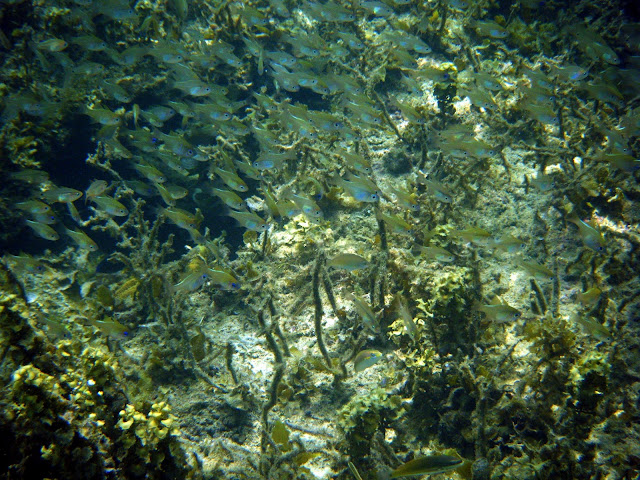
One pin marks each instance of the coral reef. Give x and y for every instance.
(278, 239)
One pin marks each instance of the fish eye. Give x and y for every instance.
(189, 152)
(374, 196)
(234, 285)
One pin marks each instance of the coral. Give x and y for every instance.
(445, 302)
(367, 414)
(60, 411)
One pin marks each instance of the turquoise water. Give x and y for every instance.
(278, 239)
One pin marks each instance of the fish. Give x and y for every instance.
(192, 281)
(90, 42)
(108, 326)
(402, 309)
(621, 161)
(539, 272)
(231, 179)
(363, 309)
(250, 221)
(116, 91)
(33, 207)
(356, 161)
(507, 243)
(224, 52)
(118, 10)
(473, 234)
(431, 464)
(103, 116)
(157, 115)
(43, 230)
(409, 112)
(487, 81)
(490, 29)
(590, 296)
(592, 327)
(571, 73)
(182, 218)
(230, 199)
(48, 218)
(150, 173)
(165, 194)
(176, 144)
(252, 16)
(25, 263)
(140, 188)
(360, 188)
(436, 253)
(130, 56)
(176, 192)
(73, 212)
(31, 176)
(396, 223)
(544, 183)
(376, 8)
(110, 205)
(308, 207)
(542, 112)
(87, 68)
(82, 240)
(591, 236)
(223, 279)
(52, 45)
(348, 261)
(439, 191)
(351, 40)
(61, 195)
(365, 359)
(479, 97)
(287, 208)
(166, 53)
(272, 160)
(270, 201)
(54, 326)
(97, 187)
(500, 313)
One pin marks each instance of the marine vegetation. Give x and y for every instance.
(319, 239)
